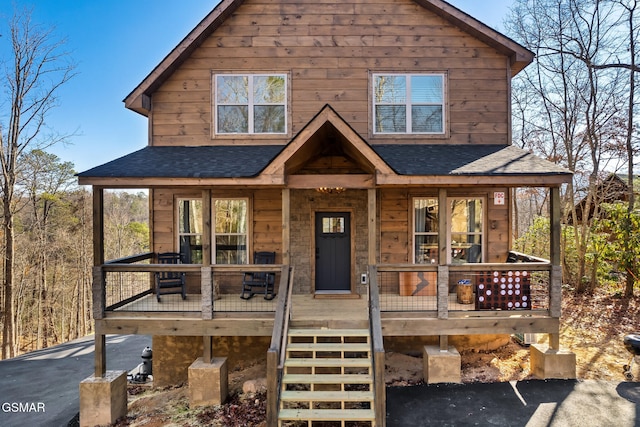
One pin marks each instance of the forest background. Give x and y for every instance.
(576, 105)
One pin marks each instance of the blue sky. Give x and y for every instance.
(116, 44)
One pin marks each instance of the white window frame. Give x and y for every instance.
(179, 233)
(214, 234)
(251, 103)
(422, 233)
(408, 103)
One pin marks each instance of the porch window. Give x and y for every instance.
(425, 213)
(250, 103)
(408, 103)
(190, 230)
(230, 231)
(465, 242)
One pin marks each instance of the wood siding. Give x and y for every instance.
(396, 229)
(265, 217)
(329, 50)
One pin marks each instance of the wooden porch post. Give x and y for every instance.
(373, 232)
(443, 269)
(286, 226)
(555, 276)
(100, 351)
(206, 228)
(98, 226)
(207, 287)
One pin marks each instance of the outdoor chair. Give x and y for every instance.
(261, 280)
(169, 282)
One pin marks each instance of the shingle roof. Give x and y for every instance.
(452, 160)
(188, 162)
(245, 161)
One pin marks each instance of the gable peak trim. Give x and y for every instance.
(328, 115)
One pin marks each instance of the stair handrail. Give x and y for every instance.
(287, 318)
(278, 344)
(377, 345)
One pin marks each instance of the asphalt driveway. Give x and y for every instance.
(41, 388)
(537, 403)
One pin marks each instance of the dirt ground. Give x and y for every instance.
(592, 327)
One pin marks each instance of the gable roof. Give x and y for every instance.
(139, 99)
(352, 143)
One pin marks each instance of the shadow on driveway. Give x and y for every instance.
(534, 403)
(41, 388)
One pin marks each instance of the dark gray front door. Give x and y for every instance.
(333, 251)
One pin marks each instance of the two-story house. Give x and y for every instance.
(367, 145)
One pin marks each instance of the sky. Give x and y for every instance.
(115, 44)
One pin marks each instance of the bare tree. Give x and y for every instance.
(35, 71)
(579, 77)
(633, 33)
(45, 180)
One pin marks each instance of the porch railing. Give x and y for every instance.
(277, 349)
(127, 285)
(377, 344)
(524, 284)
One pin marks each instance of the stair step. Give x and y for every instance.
(327, 379)
(327, 414)
(329, 347)
(326, 332)
(304, 362)
(326, 396)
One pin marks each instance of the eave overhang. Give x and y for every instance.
(519, 56)
(398, 165)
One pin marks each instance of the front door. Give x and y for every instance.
(333, 252)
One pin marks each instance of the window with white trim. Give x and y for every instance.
(464, 236)
(467, 230)
(425, 220)
(408, 104)
(230, 233)
(190, 230)
(250, 103)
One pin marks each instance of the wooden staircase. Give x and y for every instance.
(327, 378)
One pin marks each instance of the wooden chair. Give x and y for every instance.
(263, 281)
(169, 282)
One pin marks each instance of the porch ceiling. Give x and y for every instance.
(429, 164)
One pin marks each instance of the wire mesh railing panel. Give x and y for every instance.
(501, 287)
(124, 286)
(514, 289)
(408, 290)
(232, 294)
(128, 291)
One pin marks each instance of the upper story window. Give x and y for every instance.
(408, 104)
(250, 103)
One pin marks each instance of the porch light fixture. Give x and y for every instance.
(330, 190)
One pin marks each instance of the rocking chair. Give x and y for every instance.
(260, 280)
(169, 282)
